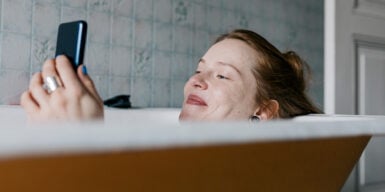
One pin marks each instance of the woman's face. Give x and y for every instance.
(223, 87)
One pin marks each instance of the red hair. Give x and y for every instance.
(280, 76)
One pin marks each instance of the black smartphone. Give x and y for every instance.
(71, 41)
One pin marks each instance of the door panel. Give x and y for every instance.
(355, 77)
(371, 94)
(371, 67)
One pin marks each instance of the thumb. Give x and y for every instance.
(87, 81)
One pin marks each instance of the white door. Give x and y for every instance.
(355, 77)
(371, 101)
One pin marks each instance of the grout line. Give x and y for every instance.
(61, 11)
(132, 65)
(32, 35)
(109, 76)
(1, 32)
(153, 56)
(172, 91)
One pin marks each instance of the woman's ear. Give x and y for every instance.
(269, 110)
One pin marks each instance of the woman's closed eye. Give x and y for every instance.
(219, 76)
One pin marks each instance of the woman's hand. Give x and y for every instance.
(75, 98)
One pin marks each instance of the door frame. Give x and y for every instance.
(344, 30)
(348, 24)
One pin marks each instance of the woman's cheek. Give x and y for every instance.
(225, 94)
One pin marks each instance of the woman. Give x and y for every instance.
(242, 76)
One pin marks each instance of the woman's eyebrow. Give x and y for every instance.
(201, 60)
(229, 65)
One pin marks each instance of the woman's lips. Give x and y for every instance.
(195, 100)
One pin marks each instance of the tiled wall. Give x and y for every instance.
(149, 48)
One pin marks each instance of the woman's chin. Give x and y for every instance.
(189, 116)
(183, 116)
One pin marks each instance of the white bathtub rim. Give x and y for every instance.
(96, 137)
(20, 138)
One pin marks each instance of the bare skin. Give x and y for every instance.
(223, 88)
(75, 99)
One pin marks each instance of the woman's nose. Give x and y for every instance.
(198, 81)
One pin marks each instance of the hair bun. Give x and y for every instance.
(300, 67)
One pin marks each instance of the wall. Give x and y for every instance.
(149, 48)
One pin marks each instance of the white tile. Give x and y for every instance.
(47, 2)
(181, 66)
(1, 48)
(141, 92)
(162, 65)
(233, 5)
(143, 33)
(16, 55)
(42, 49)
(213, 36)
(121, 61)
(163, 11)
(214, 18)
(143, 9)
(194, 64)
(122, 31)
(177, 93)
(119, 86)
(142, 65)
(73, 14)
(257, 24)
(46, 19)
(183, 40)
(200, 17)
(161, 93)
(82, 4)
(183, 13)
(123, 7)
(98, 59)
(203, 2)
(99, 27)
(218, 3)
(231, 21)
(163, 36)
(16, 16)
(200, 42)
(12, 85)
(100, 5)
(101, 84)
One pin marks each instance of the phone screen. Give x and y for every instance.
(71, 40)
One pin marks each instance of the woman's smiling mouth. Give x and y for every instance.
(195, 100)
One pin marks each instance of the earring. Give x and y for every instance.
(254, 118)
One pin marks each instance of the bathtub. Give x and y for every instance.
(150, 150)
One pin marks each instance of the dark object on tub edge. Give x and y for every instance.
(119, 101)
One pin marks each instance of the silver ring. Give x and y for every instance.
(50, 84)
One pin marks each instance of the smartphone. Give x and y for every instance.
(71, 41)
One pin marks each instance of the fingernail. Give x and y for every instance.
(84, 70)
(58, 55)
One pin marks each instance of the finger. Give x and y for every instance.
(38, 93)
(49, 70)
(28, 102)
(67, 73)
(87, 81)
